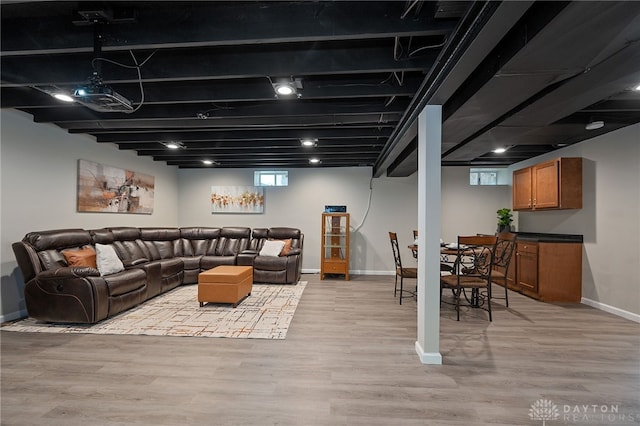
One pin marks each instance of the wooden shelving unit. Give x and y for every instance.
(335, 245)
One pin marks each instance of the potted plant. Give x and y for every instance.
(505, 217)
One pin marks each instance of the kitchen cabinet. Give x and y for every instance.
(549, 271)
(527, 267)
(554, 184)
(335, 245)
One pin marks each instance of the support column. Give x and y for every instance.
(429, 182)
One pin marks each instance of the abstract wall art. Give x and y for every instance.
(237, 199)
(107, 189)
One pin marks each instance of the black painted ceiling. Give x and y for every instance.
(525, 75)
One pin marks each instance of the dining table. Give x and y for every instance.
(452, 266)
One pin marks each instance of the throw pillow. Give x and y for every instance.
(287, 247)
(82, 257)
(107, 260)
(272, 248)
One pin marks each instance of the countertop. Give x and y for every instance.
(549, 238)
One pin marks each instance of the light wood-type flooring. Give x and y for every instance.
(348, 359)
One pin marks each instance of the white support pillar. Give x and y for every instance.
(429, 153)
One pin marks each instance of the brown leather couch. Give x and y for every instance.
(155, 259)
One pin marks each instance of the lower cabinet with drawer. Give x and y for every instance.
(549, 271)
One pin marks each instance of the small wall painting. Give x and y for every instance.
(237, 199)
(107, 189)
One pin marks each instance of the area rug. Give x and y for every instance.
(266, 314)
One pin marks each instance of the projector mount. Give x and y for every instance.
(95, 94)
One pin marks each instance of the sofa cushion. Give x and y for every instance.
(191, 262)
(208, 262)
(270, 263)
(170, 267)
(124, 282)
(107, 260)
(272, 248)
(82, 257)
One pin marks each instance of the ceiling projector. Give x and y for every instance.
(101, 98)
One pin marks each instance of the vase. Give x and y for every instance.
(504, 228)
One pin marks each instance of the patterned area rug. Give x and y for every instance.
(266, 314)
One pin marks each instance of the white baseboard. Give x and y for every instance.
(611, 309)
(13, 316)
(433, 358)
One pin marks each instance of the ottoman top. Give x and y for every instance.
(225, 274)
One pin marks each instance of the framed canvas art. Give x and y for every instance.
(108, 189)
(237, 199)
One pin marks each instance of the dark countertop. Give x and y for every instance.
(549, 238)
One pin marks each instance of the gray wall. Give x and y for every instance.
(609, 219)
(39, 166)
(393, 207)
(38, 181)
(466, 209)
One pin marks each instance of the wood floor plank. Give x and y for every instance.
(348, 359)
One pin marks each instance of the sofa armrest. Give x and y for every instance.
(294, 252)
(245, 258)
(134, 262)
(69, 272)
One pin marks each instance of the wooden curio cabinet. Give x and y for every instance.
(335, 245)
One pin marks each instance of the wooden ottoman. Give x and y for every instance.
(225, 284)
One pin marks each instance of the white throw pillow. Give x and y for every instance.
(272, 248)
(107, 260)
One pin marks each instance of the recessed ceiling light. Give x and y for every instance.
(174, 145)
(593, 125)
(63, 97)
(500, 150)
(309, 142)
(207, 162)
(637, 88)
(285, 89)
(314, 160)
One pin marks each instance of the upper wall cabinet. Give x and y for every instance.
(555, 184)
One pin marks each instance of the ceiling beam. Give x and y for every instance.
(469, 33)
(287, 108)
(238, 123)
(245, 135)
(201, 24)
(213, 63)
(219, 91)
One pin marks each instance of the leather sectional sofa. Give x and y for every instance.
(155, 260)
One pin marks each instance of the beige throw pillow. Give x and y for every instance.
(272, 248)
(107, 260)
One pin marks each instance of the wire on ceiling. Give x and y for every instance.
(137, 67)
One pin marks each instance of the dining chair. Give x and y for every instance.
(401, 272)
(502, 255)
(472, 271)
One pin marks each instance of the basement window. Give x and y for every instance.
(271, 178)
(488, 176)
